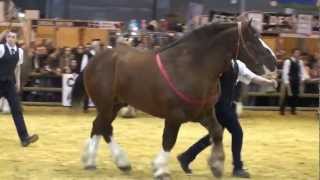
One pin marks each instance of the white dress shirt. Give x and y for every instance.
(85, 60)
(15, 48)
(245, 75)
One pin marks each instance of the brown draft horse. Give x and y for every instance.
(125, 75)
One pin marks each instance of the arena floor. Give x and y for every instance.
(275, 147)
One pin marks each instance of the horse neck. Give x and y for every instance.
(221, 51)
(200, 67)
(209, 58)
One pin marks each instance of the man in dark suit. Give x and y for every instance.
(11, 57)
(292, 77)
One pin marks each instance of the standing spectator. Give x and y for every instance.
(292, 77)
(95, 48)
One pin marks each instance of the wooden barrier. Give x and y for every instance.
(251, 94)
(72, 33)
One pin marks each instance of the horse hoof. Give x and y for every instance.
(165, 176)
(125, 168)
(217, 171)
(90, 167)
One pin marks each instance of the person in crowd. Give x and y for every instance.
(293, 74)
(40, 59)
(80, 52)
(94, 49)
(54, 62)
(74, 67)
(66, 59)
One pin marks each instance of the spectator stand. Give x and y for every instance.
(71, 33)
(54, 40)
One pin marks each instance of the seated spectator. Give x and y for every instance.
(48, 43)
(145, 43)
(315, 67)
(54, 62)
(135, 42)
(66, 58)
(87, 48)
(66, 70)
(74, 67)
(80, 52)
(39, 60)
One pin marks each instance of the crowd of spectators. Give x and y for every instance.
(48, 60)
(48, 63)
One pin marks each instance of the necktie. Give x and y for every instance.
(12, 51)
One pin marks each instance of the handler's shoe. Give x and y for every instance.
(184, 163)
(241, 173)
(29, 140)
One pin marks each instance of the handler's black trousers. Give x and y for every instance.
(8, 90)
(86, 103)
(228, 118)
(291, 100)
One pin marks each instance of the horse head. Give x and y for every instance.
(253, 51)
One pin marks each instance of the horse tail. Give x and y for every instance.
(78, 91)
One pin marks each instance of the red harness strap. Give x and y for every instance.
(187, 99)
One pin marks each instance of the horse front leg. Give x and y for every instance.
(216, 159)
(160, 163)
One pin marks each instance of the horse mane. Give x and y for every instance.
(200, 34)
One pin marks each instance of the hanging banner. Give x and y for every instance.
(2, 12)
(257, 20)
(304, 24)
(68, 81)
(193, 14)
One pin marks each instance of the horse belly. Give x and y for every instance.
(138, 85)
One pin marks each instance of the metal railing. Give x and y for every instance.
(250, 94)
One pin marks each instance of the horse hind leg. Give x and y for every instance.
(90, 150)
(92, 144)
(119, 156)
(160, 163)
(102, 127)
